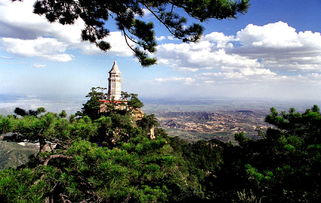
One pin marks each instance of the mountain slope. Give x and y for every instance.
(13, 154)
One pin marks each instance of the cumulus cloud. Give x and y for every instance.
(160, 38)
(272, 52)
(169, 38)
(202, 55)
(48, 48)
(274, 35)
(28, 25)
(280, 46)
(28, 28)
(220, 40)
(119, 49)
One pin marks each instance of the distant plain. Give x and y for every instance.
(247, 112)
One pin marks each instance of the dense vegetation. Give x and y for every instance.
(111, 157)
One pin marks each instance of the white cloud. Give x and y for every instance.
(185, 80)
(5, 57)
(243, 73)
(226, 75)
(275, 51)
(37, 65)
(48, 48)
(220, 40)
(119, 49)
(169, 38)
(202, 55)
(28, 27)
(172, 38)
(147, 13)
(273, 35)
(280, 47)
(161, 38)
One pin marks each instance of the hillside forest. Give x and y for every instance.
(114, 156)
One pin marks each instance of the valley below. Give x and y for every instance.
(220, 125)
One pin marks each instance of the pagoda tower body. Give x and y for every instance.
(114, 83)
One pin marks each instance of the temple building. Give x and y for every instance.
(114, 83)
(114, 97)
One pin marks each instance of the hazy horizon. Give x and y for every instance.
(74, 103)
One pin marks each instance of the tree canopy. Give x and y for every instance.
(92, 107)
(128, 15)
(109, 158)
(282, 166)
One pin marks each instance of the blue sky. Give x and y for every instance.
(273, 51)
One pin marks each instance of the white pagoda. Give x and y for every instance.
(114, 83)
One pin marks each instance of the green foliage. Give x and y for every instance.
(110, 157)
(63, 114)
(11, 189)
(204, 159)
(141, 170)
(148, 121)
(129, 17)
(22, 112)
(132, 99)
(92, 106)
(48, 127)
(284, 165)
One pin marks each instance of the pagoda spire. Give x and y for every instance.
(115, 68)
